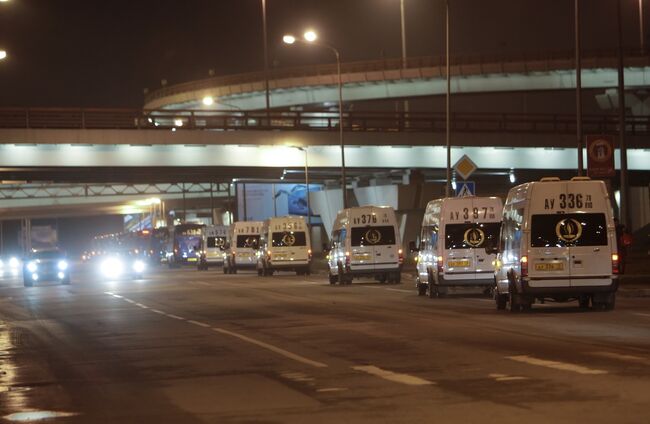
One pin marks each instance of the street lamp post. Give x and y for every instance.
(621, 118)
(641, 31)
(310, 37)
(304, 149)
(266, 61)
(448, 102)
(578, 87)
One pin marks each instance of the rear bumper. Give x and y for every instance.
(288, 264)
(473, 279)
(378, 269)
(525, 288)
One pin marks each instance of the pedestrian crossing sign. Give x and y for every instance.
(466, 188)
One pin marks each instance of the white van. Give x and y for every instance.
(243, 246)
(285, 245)
(365, 241)
(453, 240)
(558, 242)
(214, 239)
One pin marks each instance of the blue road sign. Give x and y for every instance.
(465, 188)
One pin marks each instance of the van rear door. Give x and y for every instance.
(590, 253)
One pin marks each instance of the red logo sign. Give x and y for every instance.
(600, 156)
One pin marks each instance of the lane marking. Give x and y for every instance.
(175, 317)
(129, 300)
(505, 377)
(142, 306)
(621, 357)
(563, 366)
(641, 314)
(332, 389)
(407, 379)
(401, 290)
(272, 348)
(158, 311)
(200, 324)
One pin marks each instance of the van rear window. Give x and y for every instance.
(213, 242)
(373, 236)
(250, 241)
(289, 238)
(571, 229)
(466, 236)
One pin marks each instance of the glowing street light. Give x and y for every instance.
(3, 53)
(288, 39)
(208, 101)
(310, 36)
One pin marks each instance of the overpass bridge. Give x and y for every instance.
(414, 77)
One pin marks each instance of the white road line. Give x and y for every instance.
(129, 300)
(622, 357)
(142, 306)
(272, 348)
(409, 380)
(401, 290)
(175, 317)
(505, 377)
(332, 389)
(200, 324)
(641, 314)
(158, 311)
(563, 366)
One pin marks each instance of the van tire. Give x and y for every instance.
(333, 278)
(422, 289)
(260, 272)
(382, 278)
(583, 301)
(398, 278)
(343, 279)
(432, 289)
(501, 300)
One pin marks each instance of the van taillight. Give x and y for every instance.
(347, 258)
(615, 264)
(441, 268)
(309, 253)
(268, 254)
(401, 256)
(524, 266)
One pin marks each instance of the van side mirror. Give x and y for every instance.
(492, 250)
(412, 247)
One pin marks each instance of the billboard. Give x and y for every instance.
(257, 202)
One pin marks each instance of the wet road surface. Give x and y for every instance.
(183, 346)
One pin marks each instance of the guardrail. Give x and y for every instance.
(460, 65)
(134, 119)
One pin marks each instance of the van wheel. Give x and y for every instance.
(225, 269)
(422, 289)
(501, 300)
(382, 278)
(513, 305)
(433, 291)
(342, 278)
(260, 272)
(397, 279)
(583, 301)
(333, 278)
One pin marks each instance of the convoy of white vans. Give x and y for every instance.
(552, 240)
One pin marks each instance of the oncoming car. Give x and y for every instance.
(118, 265)
(46, 265)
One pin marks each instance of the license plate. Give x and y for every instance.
(361, 257)
(551, 266)
(458, 264)
(280, 256)
(244, 255)
(192, 259)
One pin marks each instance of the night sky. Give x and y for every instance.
(97, 53)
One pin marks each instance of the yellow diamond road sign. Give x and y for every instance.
(465, 167)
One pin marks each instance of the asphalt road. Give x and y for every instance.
(184, 346)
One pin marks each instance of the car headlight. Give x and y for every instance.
(112, 267)
(14, 263)
(138, 266)
(32, 267)
(63, 265)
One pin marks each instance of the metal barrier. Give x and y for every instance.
(133, 119)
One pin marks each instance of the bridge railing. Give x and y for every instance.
(317, 120)
(461, 65)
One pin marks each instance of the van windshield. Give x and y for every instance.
(467, 236)
(571, 229)
(288, 238)
(373, 236)
(250, 241)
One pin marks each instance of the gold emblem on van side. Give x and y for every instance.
(474, 237)
(568, 230)
(250, 242)
(220, 242)
(373, 236)
(288, 239)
